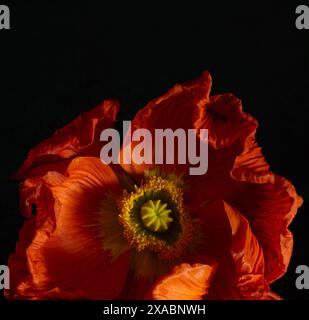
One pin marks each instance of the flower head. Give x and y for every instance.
(154, 231)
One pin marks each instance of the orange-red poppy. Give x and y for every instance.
(154, 231)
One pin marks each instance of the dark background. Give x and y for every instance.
(58, 61)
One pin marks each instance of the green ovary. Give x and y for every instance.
(156, 216)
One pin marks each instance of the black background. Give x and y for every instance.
(58, 61)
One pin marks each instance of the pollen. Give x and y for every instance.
(154, 218)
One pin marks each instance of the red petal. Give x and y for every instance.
(185, 282)
(81, 137)
(36, 191)
(270, 208)
(225, 120)
(269, 201)
(242, 276)
(228, 127)
(33, 191)
(135, 288)
(238, 173)
(66, 256)
(175, 109)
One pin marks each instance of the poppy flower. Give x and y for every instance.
(140, 231)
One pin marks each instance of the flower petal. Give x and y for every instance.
(238, 173)
(228, 127)
(241, 277)
(81, 137)
(68, 257)
(37, 191)
(33, 191)
(185, 282)
(270, 208)
(175, 109)
(225, 120)
(269, 202)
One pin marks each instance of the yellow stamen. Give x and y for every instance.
(155, 216)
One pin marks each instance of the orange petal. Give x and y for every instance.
(243, 276)
(270, 207)
(36, 191)
(225, 120)
(249, 260)
(269, 201)
(238, 173)
(228, 127)
(81, 137)
(217, 182)
(65, 255)
(33, 191)
(175, 109)
(185, 282)
(245, 249)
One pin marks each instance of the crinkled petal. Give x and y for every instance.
(270, 208)
(185, 282)
(269, 202)
(228, 125)
(238, 173)
(173, 110)
(225, 120)
(81, 137)
(34, 191)
(241, 268)
(66, 255)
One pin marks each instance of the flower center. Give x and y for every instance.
(153, 218)
(156, 215)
